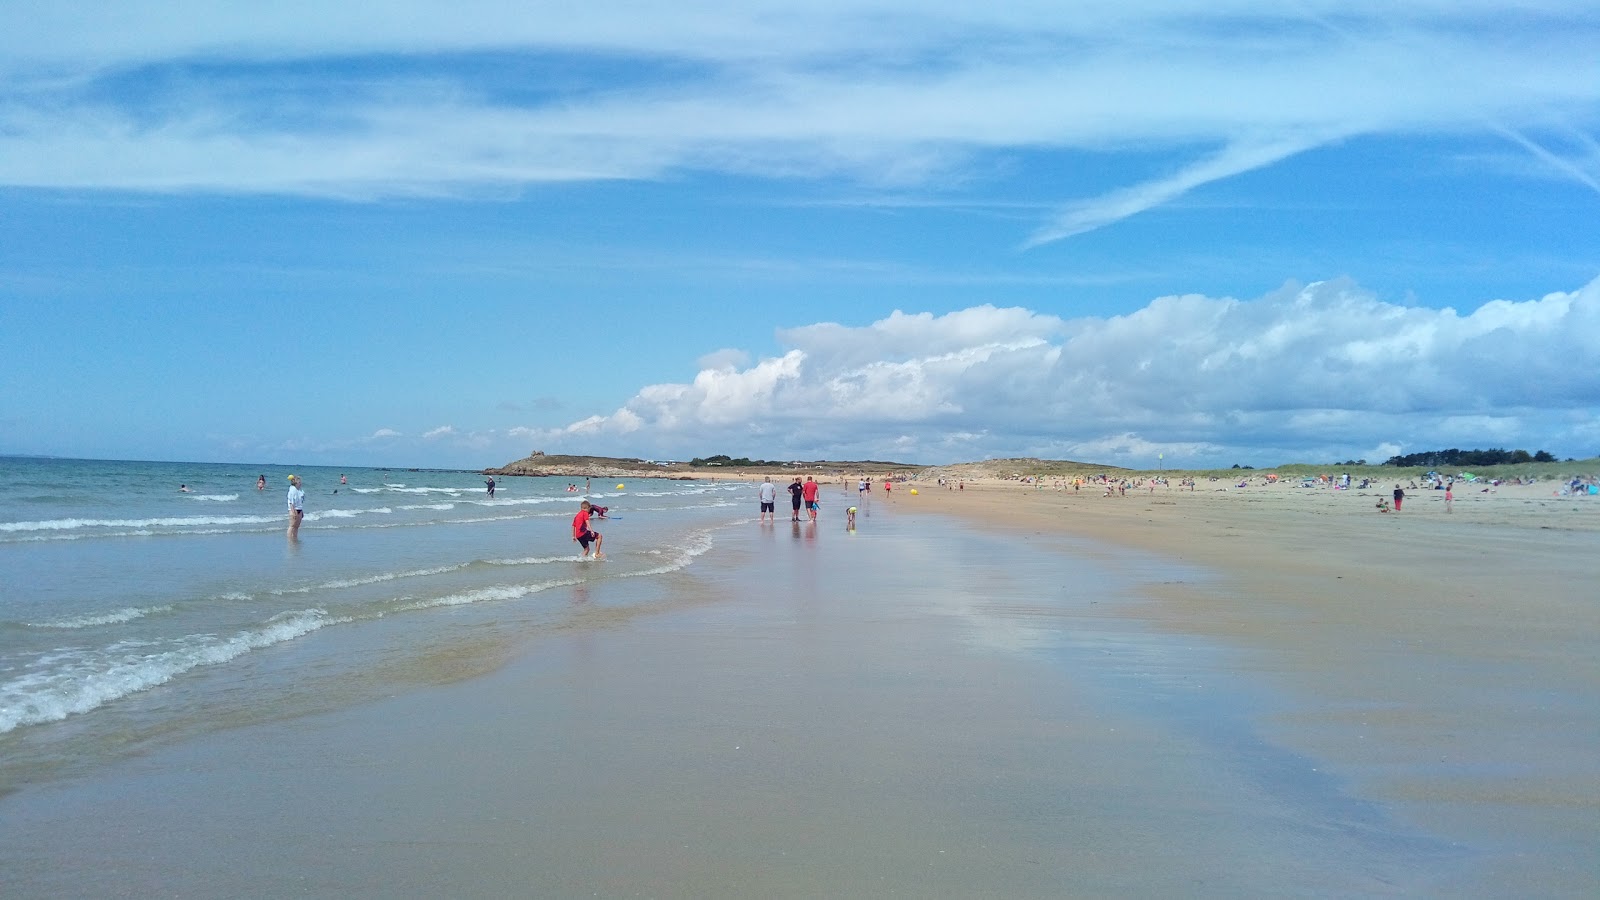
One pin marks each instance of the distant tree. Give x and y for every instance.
(1454, 457)
(1543, 456)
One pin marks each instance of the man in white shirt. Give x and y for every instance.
(297, 506)
(769, 500)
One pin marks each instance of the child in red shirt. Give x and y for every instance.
(581, 532)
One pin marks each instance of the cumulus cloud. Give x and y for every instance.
(724, 359)
(382, 433)
(436, 433)
(1317, 372)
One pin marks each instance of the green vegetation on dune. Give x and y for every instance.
(1541, 466)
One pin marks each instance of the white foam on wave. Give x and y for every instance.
(533, 560)
(161, 522)
(218, 498)
(521, 501)
(479, 595)
(73, 682)
(346, 513)
(699, 543)
(380, 578)
(441, 507)
(115, 617)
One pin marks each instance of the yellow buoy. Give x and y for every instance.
(913, 492)
(619, 487)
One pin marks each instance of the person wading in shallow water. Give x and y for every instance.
(297, 506)
(581, 532)
(796, 490)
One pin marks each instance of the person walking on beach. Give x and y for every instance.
(581, 532)
(769, 501)
(1450, 497)
(809, 492)
(796, 493)
(297, 506)
(1399, 495)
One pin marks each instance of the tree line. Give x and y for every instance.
(724, 460)
(1453, 457)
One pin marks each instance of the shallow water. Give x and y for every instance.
(917, 707)
(130, 610)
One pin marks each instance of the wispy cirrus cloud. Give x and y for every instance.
(365, 101)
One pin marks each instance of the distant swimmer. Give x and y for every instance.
(261, 483)
(341, 480)
(184, 488)
(297, 506)
(581, 531)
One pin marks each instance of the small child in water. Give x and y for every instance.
(850, 519)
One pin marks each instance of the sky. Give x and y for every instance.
(447, 235)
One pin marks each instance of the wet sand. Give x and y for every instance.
(1241, 694)
(1443, 661)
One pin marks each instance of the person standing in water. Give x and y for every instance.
(261, 483)
(581, 532)
(796, 492)
(297, 506)
(769, 501)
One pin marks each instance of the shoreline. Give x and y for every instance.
(1271, 690)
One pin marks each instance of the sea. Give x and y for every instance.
(133, 611)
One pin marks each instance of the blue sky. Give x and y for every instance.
(447, 234)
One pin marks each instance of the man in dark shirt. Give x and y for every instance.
(795, 492)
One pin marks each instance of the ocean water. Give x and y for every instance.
(131, 611)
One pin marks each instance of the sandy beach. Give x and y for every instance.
(1444, 660)
(999, 691)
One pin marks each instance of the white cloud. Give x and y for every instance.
(1126, 202)
(886, 92)
(383, 433)
(724, 359)
(436, 433)
(1316, 372)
